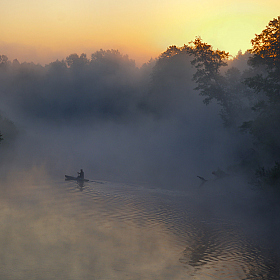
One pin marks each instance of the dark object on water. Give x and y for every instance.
(220, 173)
(78, 179)
(201, 178)
(81, 174)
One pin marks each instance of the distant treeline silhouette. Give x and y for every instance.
(108, 87)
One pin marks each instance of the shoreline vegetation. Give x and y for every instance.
(109, 88)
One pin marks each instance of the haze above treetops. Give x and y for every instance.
(44, 31)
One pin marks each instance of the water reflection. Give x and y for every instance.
(218, 253)
(116, 231)
(80, 185)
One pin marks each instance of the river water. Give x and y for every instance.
(107, 230)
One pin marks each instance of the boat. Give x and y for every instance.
(78, 179)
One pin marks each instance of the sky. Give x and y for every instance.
(43, 31)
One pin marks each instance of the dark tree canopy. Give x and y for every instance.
(208, 63)
(213, 85)
(206, 57)
(266, 46)
(266, 54)
(73, 60)
(265, 61)
(3, 60)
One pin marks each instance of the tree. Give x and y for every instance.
(266, 46)
(170, 52)
(266, 57)
(265, 61)
(3, 60)
(212, 84)
(170, 82)
(73, 60)
(111, 62)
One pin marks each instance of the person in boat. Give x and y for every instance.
(81, 174)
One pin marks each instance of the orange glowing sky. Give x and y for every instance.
(43, 31)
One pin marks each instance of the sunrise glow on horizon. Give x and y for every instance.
(43, 31)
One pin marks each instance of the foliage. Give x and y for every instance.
(171, 82)
(225, 87)
(266, 56)
(73, 60)
(266, 47)
(208, 63)
(78, 88)
(270, 176)
(227, 90)
(265, 60)
(3, 60)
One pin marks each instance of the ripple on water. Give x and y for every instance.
(117, 231)
(213, 249)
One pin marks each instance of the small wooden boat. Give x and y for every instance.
(78, 179)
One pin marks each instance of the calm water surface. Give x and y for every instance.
(59, 230)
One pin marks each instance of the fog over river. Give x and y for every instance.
(142, 135)
(107, 230)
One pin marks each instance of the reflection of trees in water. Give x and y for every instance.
(203, 248)
(225, 253)
(262, 265)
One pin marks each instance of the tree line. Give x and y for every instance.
(109, 86)
(250, 101)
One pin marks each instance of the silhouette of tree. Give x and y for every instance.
(226, 89)
(266, 46)
(265, 60)
(57, 66)
(170, 52)
(73, 60)
(170, 82)
(110, 62)
(266, 56)
(208, 63)
(3, 60)
(215, 86)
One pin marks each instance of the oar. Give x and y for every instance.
(96, 182)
